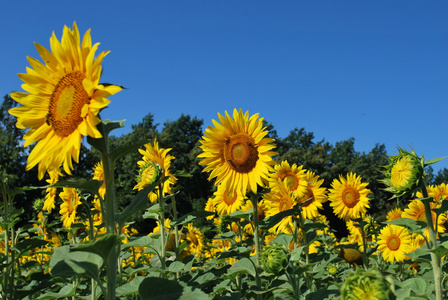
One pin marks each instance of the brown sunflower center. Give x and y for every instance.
(66, 103)
(393, 242)
(241, 153)
(350, 197)
(229, 197)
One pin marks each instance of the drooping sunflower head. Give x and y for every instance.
(62, 100)
(394, 242)
(404, 173)
(364, 284)
(348, 197)
(237, 152)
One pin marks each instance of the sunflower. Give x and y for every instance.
(195, 240)
(50, 195)
(394, 242)
(370, 284)
(98, 174)
(404, 173)
(349, 197)
(393, 214)
(261, 209)
(438, 192)
(291, 176)
(313, 197)
(153, 161)
(63, 100)
(237, 152)
(277, 201)
(210, 207)
(416, 211)
(71, 199)
(227, 201)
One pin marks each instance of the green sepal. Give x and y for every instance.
(102, 246)
(433, 160)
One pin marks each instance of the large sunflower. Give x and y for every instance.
(394, 242)
(291, 176)
(349, 197)
(277, 201)
(62, 101)
(153, 160)
(237, 152)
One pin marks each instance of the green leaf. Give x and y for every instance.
(138, 203)
(283, 239)
(126, 149)
(412, 225)
(109, 125)
(143, 241)
(68, 264)
(269, 222)
(155, 288)
(29, 244)
(433, 160)
(82, 184)
(66, 291)
(441, 250)
(105, 127)
(101, 246)
(196, 294)
(244, 265)
(176, 266)
(417, 285)
(130, 288)
(443, 208)
(188, 218)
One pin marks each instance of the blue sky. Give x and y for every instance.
(373, 70)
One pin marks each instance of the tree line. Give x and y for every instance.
(183, 136)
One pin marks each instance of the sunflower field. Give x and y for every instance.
(263, 234)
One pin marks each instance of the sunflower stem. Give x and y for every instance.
(254, 200)
(162, 230)
(435, 260)
(364, 243)
(109, 218)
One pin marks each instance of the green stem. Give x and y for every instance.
(364, 243)
(435, 260)
(6, 239)
(110, 210)
(162, 230)
(254, 200)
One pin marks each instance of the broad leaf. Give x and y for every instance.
(66, 292)
(130, 288)
(244, 265)
(155, 288)
(102, 246)
(82, 184)
(188, 218)
(68, 264)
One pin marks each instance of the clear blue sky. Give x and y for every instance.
(373, 70)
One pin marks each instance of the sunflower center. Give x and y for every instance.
(230, 198)
(393, 242)
(291, 182)
(350, 197)
(66, 103)
(401, 173)
(241, 153)
(193, 238)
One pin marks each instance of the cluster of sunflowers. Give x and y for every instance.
(264, 220)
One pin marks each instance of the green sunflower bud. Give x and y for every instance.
(332, 269)
(404, 173)
(38, 204)
(274, 259)
(367, 284)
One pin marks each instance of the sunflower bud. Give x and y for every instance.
(367, 284)
(38, 204)
(404, 173)
(332, 269)
(274, 259)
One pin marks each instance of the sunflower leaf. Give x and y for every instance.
(138, 203)
(433, 160)
(190, 217)
(412, 225)
(244, 265)
(126, 149)
(269, 222)
(159, 288)
(101, 246)
(82, 184)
